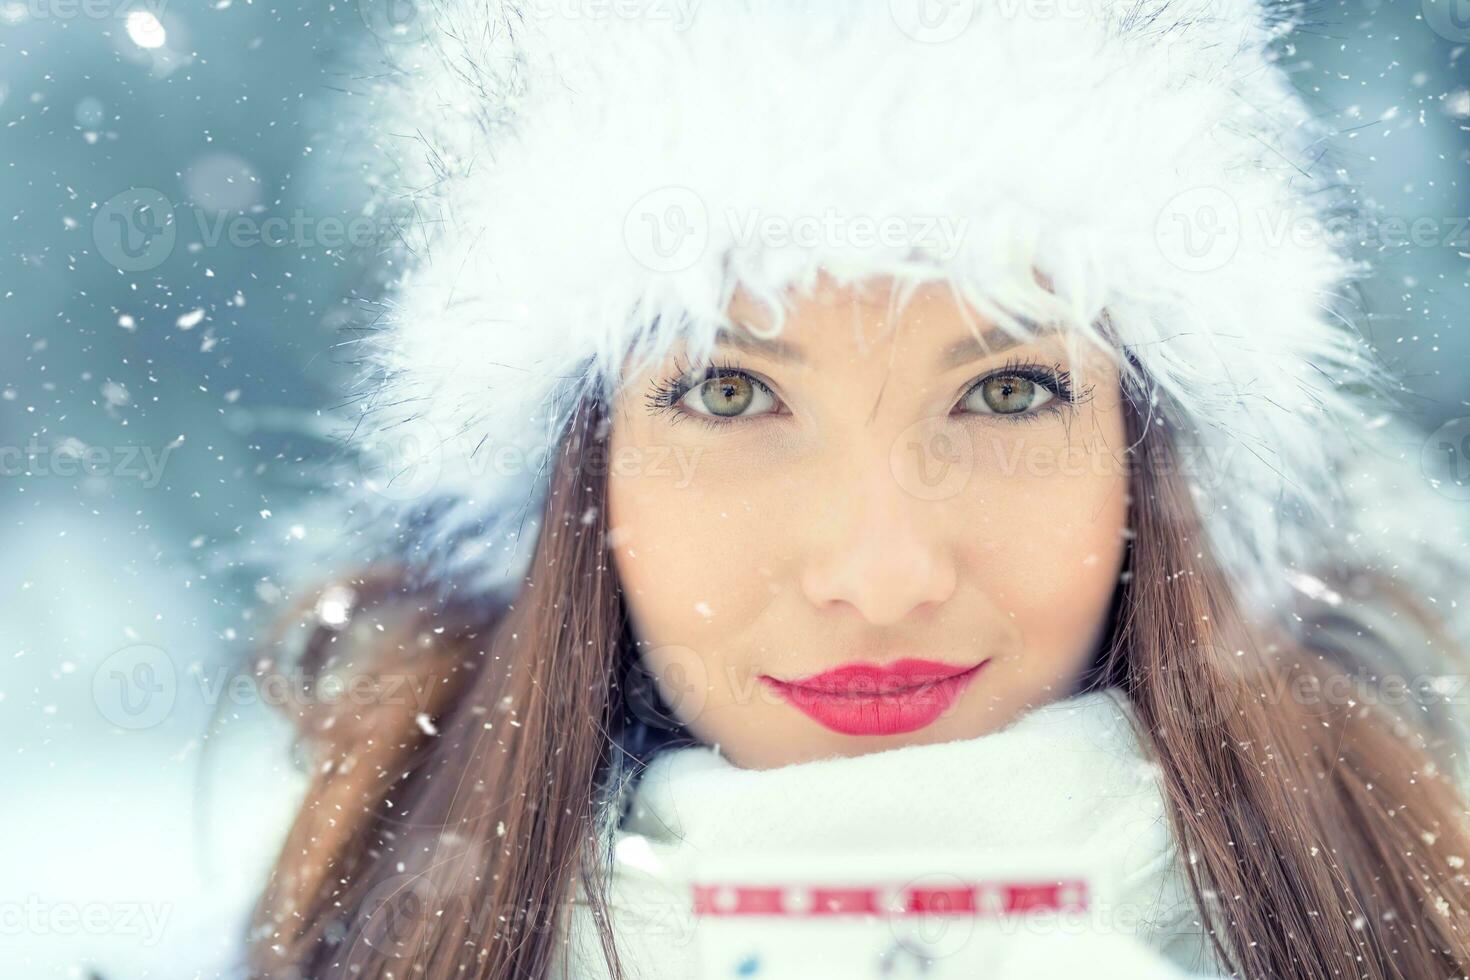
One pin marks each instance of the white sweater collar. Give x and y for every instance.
(1070, 776)
(1071, 770)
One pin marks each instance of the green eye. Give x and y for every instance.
(727, 395)
(713, 394)
(1007, 394)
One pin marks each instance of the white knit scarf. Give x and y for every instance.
(1066, 785)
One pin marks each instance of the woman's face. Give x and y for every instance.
(878, 533)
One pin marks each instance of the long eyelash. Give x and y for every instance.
(1055, 378)
(665, 396)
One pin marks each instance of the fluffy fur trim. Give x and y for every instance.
(583, 179)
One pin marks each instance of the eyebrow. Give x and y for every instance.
(990, 342)
(773, 347)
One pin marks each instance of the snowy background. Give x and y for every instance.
(155, 405)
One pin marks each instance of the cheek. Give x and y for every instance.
(697, 551)
(695, 540)
(1047, 547)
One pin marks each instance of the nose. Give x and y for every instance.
(879, 552)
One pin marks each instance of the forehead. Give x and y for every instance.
(846, 318)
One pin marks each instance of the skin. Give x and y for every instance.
(868, 509)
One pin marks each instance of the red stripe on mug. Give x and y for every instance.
(981, 899)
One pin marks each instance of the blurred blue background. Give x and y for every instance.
(156, 407)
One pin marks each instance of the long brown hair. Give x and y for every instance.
(443, 836)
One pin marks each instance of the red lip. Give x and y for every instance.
(868, 699)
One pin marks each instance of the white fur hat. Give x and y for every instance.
(587, 179)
